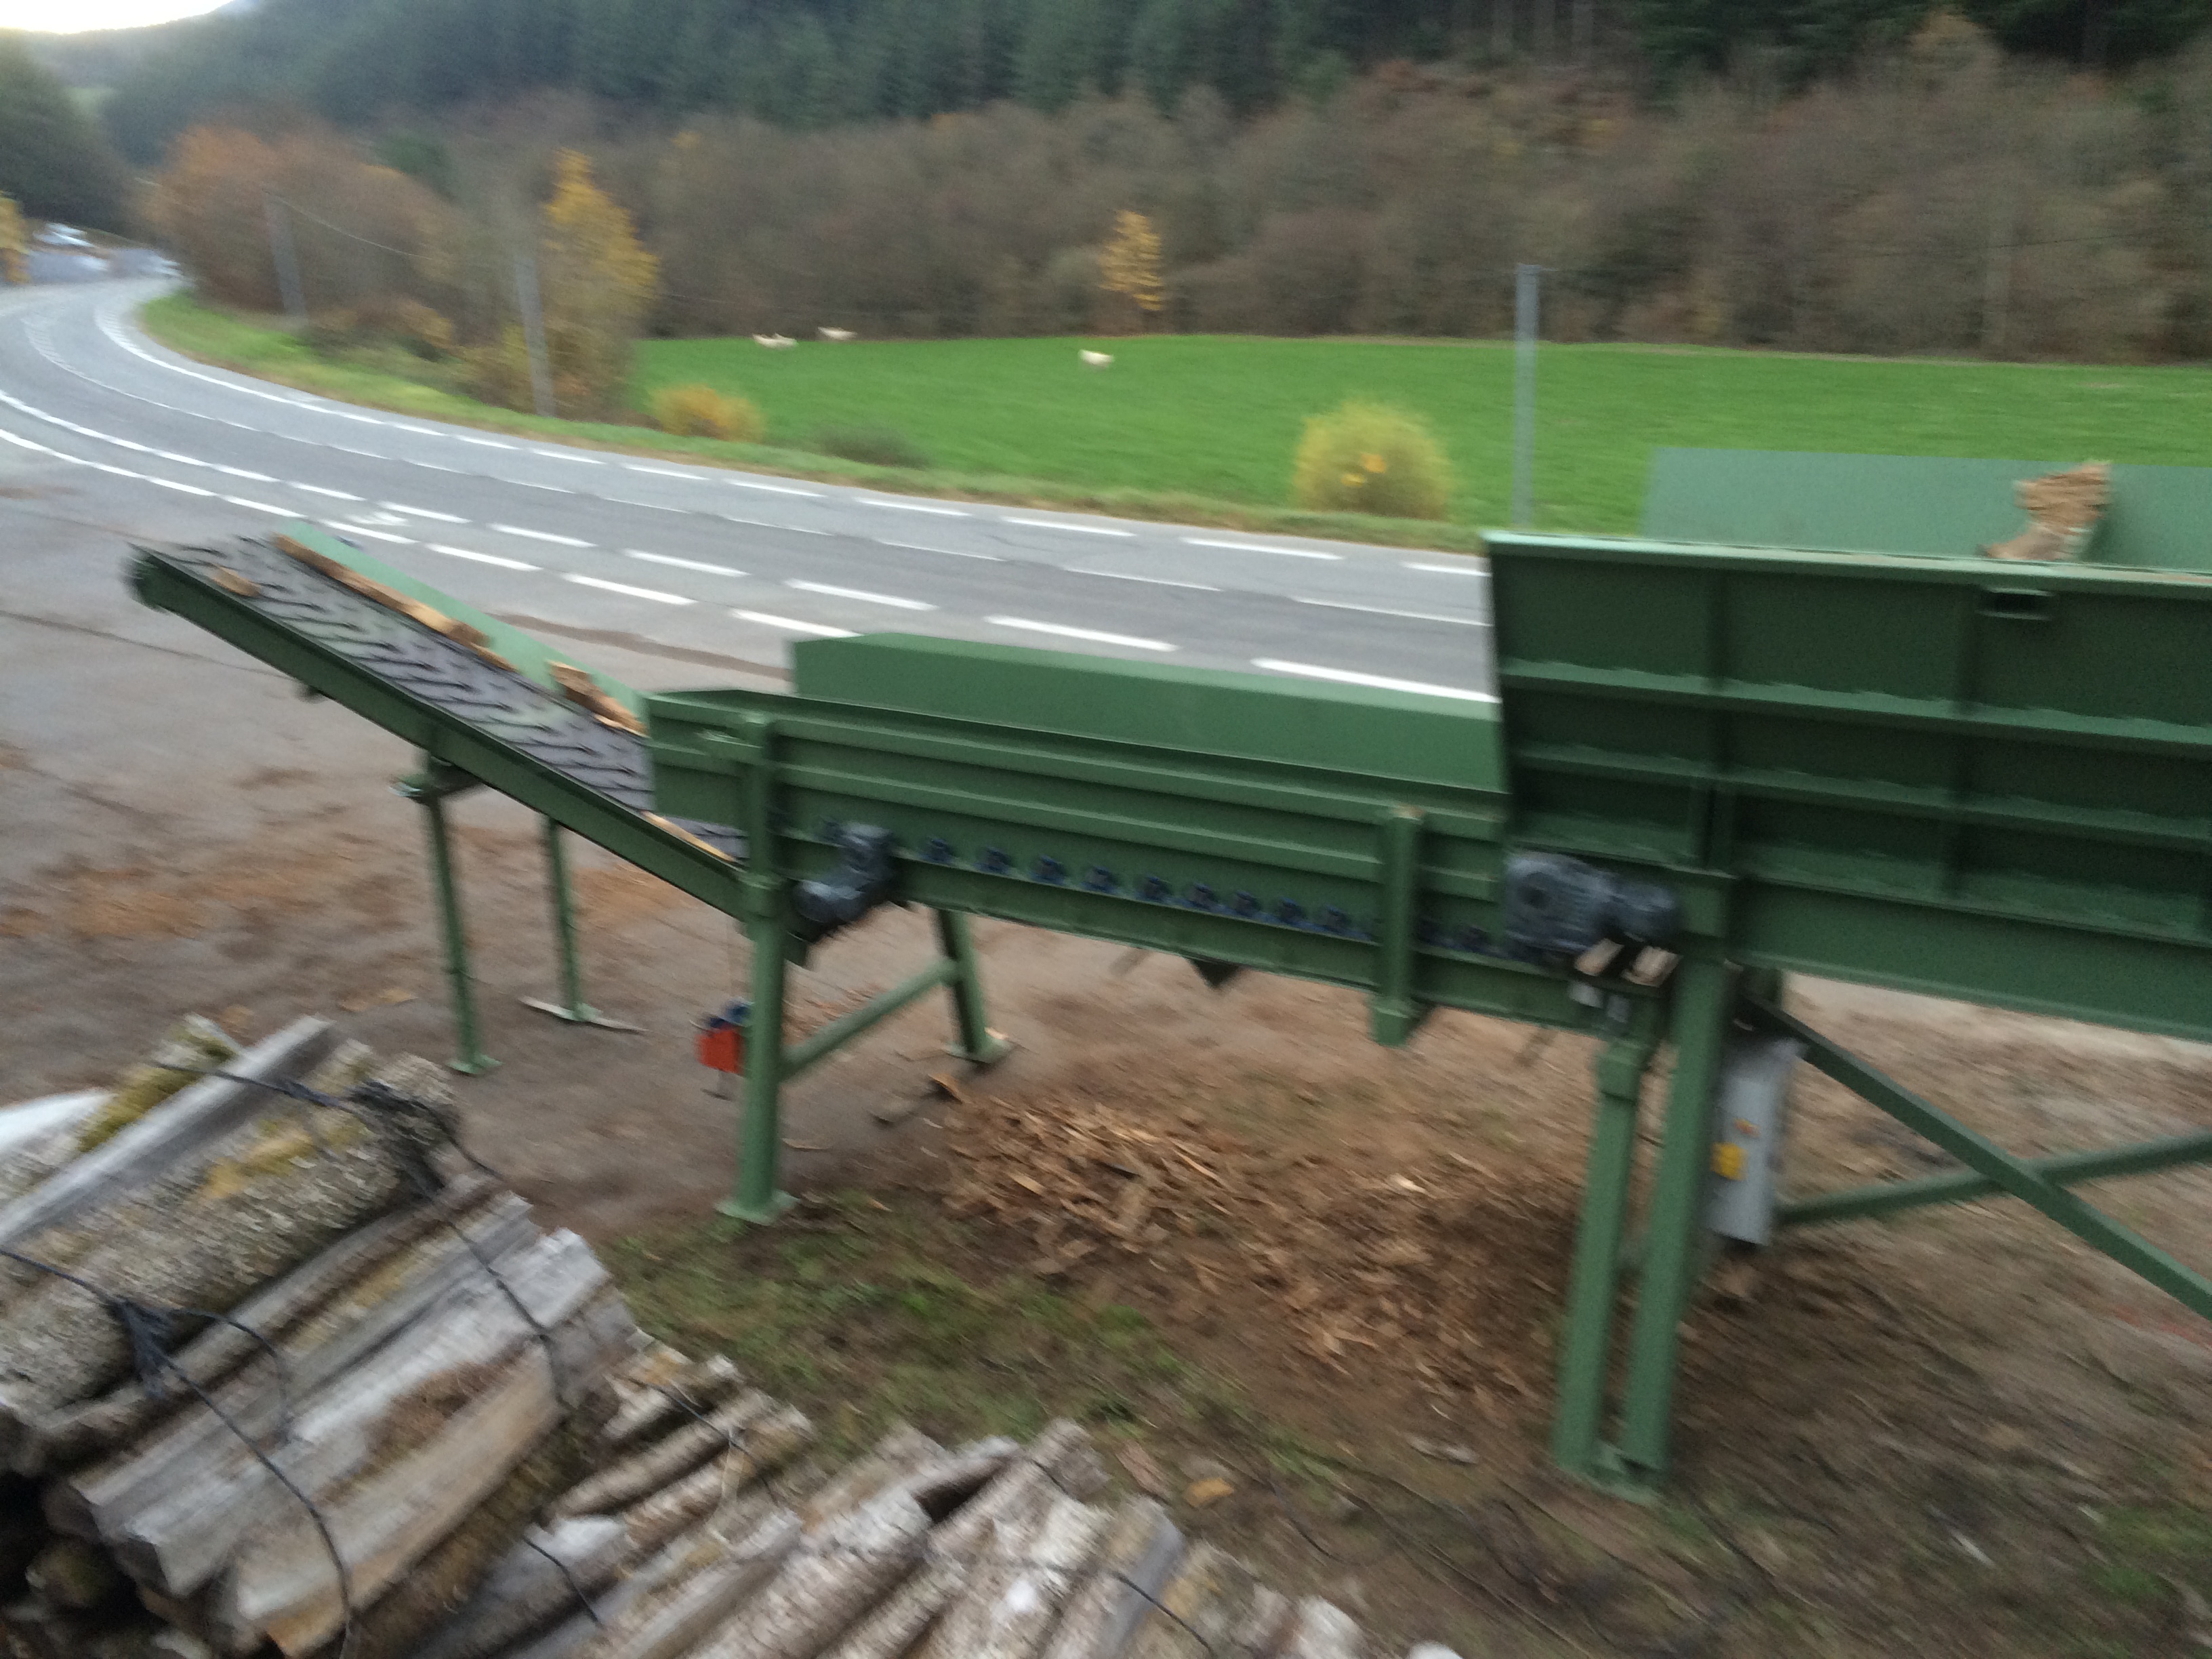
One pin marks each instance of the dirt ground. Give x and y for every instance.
(1336, 1287)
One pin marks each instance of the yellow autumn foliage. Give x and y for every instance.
(1129, 265)
(1369, 458)
(700, 411)
(11, 240)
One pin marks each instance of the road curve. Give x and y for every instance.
(691, 559)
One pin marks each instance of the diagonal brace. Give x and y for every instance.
(1961, 1185)
(2003, 1171)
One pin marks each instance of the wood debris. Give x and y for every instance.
(391, 598)
(428, 1429)
(1432, 1277)
(581, 688)
(2064, 510)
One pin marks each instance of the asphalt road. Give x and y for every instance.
(697, 562)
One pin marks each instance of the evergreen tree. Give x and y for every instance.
(53, 160)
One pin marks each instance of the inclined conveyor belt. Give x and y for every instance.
(447, 676)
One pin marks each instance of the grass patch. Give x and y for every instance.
(863, 1315)
(2148, 1550)
(260, 347)
(1220, 417)
(1202, 429)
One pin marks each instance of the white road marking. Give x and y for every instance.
(1375, 682)
(435, 467)
(562, 455)
(418, 431)
(366, 454)
(1380, 611)
(773, 490)
(653, 594)
(650, 507)
(526, 483)
(120, 443)
(261, 507)
(684, 564)
(1080, 529)
(950, 552)
(1067, 633)
(1470, 568)
(1254, 547)
(539, 535)
(662, 471)
(1131, 576)
(765, 524)
(793, 625)
(482, 558)
(24, 443)
(185, 488)
(181, 460)
(374, 535)
(859, 593)
(241, 473)
(318, 489)
(913, 507)
(481, 443)
(421, 512)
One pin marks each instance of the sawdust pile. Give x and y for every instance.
(1443, 1279)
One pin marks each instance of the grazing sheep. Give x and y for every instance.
(775, 342)
(834, 333)
(1095, 359)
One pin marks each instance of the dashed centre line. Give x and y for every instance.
(1065, 632)
(1470, 568)
(563, 455)
(652, 593)
(482, 443)
(321, 490)
(859, 593)
(1254, 547)
(1374, 681)
(540, 536)
(1381, 610)
(684, 564)
(912, 506)
(374, 535)
(950, 552)
(480, 558)
(1132, 576)
(423, 513)
(1078, 529)
(261, 507)
(773, 490)
(793, 625)
(661, 471)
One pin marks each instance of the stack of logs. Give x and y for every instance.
(426, 1429)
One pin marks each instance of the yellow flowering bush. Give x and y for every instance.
(1369, 458)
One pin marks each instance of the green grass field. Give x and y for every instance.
(1201, 429)
(1220, 416)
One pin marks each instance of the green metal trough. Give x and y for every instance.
(1880, 756)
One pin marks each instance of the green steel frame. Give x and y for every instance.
(2051, 855)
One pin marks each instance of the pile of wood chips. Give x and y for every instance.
(1445, 1276)
(428, 1429)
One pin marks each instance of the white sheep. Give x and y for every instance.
(834, 333)
(775, 342)
(1095, 359)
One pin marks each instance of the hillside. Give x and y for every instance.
(818, 62)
